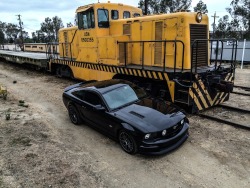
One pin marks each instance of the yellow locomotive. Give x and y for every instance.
(167, 54)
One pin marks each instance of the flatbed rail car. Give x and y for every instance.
(37, 60)
(167, 54)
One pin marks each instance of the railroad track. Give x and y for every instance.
(243, 88)
(232, 123)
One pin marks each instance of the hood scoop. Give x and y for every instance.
(137, 114)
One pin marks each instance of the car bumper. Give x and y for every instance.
(165, 145)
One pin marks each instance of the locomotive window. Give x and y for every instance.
(114, 14)
(86, 19)
(136, 15)
(126, 14)
(103, 18)
(76, 20)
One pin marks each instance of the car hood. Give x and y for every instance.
(148, 119)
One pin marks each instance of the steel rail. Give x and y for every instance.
(238, 125)
(225, 121)
(234, 108)
(239, 93)
(242, 87)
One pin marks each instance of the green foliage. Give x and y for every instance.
(240, 12)
(164, 6)
(50, 28)
(201, 7)
(238, 26)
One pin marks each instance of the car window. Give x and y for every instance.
(79, 94)
(92, 98)
(120, 97)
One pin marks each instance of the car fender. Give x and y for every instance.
(128, 127)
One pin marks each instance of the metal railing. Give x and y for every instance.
(164, 43)
(50, 55)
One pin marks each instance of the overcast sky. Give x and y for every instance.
(34, 12)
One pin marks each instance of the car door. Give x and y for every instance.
(100, 118)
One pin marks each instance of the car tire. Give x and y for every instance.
(74, 115)
(127, 142)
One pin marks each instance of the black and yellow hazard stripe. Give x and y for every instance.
(151, 74)
(200, 95)
(203, 99)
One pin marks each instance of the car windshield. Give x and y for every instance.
(123, 96)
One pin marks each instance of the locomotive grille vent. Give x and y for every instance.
(200, 47)
(121, 53)
(65, 34)
(126, 29)
(158, 45)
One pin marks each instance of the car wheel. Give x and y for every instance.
(74, 115)
(127, 142)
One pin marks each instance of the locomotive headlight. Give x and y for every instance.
(198, 17)
(164, 132)
(147, 136)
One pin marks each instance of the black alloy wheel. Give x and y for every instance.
(127, 142)
(74, 115)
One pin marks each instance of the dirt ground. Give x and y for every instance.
(40, 147)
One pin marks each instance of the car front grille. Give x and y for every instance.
(171, 132)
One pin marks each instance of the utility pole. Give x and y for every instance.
(146, 7)
(21, 29)
(214, 16)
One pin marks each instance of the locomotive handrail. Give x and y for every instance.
(70, 46)
(164, 47)
(233, 55)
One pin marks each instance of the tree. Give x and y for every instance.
(240, 12)
(1, 37)
(50, 28)
(11, 31)
(201, 7)
(221, 29)
(2, 31)
(38, 36)
(69, 24)
(164, 6)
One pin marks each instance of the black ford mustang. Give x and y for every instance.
(124, 111)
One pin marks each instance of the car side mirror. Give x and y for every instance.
(99, 107)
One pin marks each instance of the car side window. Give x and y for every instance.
(79, 94)
(92, 98)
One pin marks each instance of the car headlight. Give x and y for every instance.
(198, 17)
(164, 132)
(182, 122)
(147, 136)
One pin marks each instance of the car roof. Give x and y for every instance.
(105, 85)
